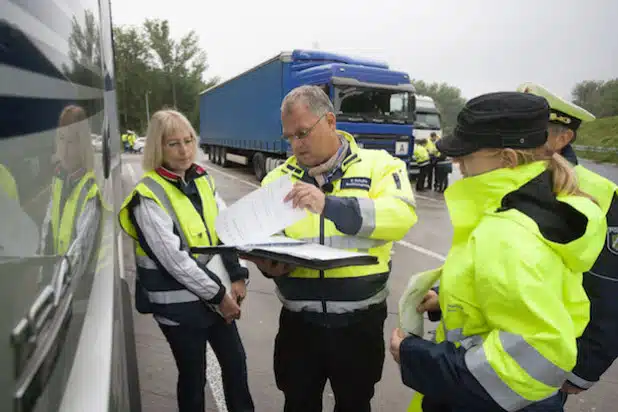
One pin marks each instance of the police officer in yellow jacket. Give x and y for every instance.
(598, 346)
(331, 324)
(423, 161)
(173, 208)
(510, 295)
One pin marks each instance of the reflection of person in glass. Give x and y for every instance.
(74, 209)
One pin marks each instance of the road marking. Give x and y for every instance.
(131, 173)
(403, 243)
(213, 370)
(422, 250)
(231, 176)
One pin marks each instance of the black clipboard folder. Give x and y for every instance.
(298, 253)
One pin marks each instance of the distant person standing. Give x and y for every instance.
(422, 159)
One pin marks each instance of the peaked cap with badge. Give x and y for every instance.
(562, 112)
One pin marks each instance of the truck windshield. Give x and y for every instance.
(375, 105)
(427, 121)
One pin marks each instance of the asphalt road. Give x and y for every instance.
(424, 247)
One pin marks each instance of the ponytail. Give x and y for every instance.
(564, 178)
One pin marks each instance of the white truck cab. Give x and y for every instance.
(428, 120)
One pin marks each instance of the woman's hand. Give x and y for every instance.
(239, 291)
(229, 309)
(396, 338)
(430, 303)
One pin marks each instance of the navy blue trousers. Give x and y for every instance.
(189, 349)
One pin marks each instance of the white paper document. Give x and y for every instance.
(410, 320)
(216, 266)
(311, 251)
(259, 215)
(254, 225)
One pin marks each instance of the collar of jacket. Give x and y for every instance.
(71, 178)
(353, 157)
(472, 197)
(192, 173)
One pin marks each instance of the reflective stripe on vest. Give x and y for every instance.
(64, 217)
(526, 356)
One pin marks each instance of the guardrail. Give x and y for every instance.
(597, 149)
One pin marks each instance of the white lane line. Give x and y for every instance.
(131, 173)
(213, 370)
(422, 250)
(231, 176)
(403, 243)
(427, 198)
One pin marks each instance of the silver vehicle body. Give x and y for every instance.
(65, 309)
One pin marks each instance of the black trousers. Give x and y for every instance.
(189, 349)
(423, 173)
(350, 357)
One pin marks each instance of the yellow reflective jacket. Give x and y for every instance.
(7, 183)
(65, 212)
(378, 191)
(421, 155)
(511, 292)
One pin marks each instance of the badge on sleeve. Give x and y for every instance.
(612, 239)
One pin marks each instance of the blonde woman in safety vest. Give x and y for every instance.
(510, 295)
(172, 209)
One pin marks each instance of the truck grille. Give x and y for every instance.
(386, 142)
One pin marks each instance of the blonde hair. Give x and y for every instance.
(74, 121)
(164, 123)
(564, 178)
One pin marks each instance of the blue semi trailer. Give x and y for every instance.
(240, 118)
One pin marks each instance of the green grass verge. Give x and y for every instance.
(599, 133)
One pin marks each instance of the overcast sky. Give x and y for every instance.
(476, 45)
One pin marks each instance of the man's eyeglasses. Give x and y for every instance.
(304, 133)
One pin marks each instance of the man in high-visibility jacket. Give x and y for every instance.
(422, 158)
(598, 346)
(332, 321)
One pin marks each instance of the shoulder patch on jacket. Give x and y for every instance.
(362, 183)
(612, 239)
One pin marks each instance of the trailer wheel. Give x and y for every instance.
(223, 161)
(259, 166)
(211, 154)
(218, 155)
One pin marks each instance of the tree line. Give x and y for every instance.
(154, 70)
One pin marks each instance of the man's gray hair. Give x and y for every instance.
(313, 97)
(555, 129)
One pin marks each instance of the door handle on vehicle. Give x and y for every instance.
(41, 310)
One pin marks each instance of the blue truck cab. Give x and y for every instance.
(240, 118)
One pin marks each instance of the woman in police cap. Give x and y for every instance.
(510, 296)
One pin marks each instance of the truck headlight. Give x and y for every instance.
(401, 148)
